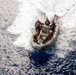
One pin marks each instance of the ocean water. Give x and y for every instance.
(60, 58)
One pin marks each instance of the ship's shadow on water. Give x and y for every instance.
(42, 57)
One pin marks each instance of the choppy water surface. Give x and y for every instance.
(61, 57)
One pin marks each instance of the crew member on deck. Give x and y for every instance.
(38, 26)
(47, 22)
(54, 25)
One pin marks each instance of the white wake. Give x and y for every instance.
(31, 10)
